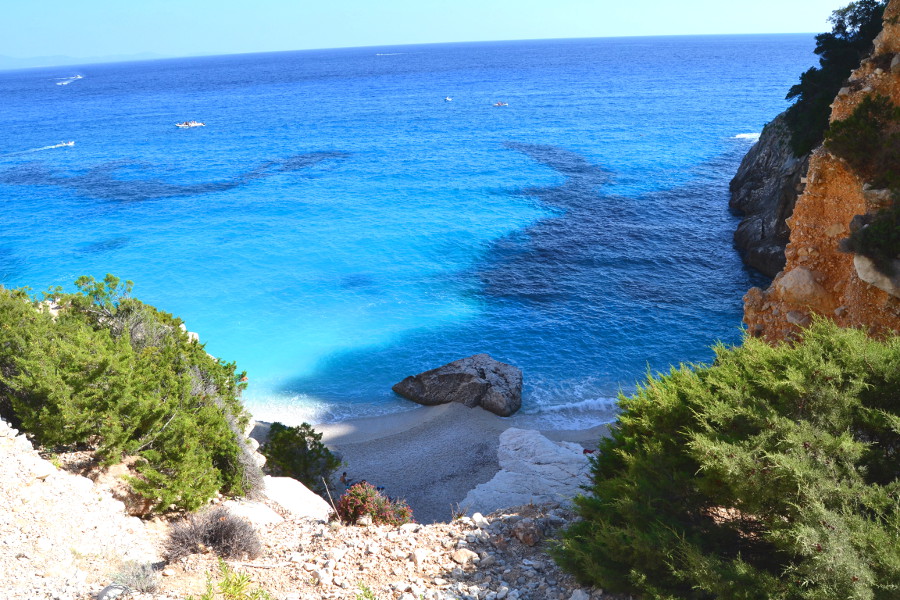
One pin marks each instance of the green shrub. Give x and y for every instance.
(772, 474)
(869, 140)
(298, 452)
(123, 378)
(840, 51)
(231, 586)
(363, 499)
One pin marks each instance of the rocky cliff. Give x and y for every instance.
(765, 190)
(818, 277)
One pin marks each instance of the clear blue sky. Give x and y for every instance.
(86, 28)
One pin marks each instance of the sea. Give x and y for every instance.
(347, 217)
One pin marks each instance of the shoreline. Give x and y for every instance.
(430, 456)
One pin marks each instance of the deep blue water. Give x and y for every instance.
(337, 225)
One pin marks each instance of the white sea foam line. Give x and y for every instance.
(59, 145)
(747, 136)
(68, 80)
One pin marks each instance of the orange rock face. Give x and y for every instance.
(818, 277)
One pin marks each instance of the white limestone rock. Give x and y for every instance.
(257, 514)
(533, 469)
(296, 498)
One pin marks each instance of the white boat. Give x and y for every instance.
(186, 124)
(501, 104)
(448, 99)
(67, 143)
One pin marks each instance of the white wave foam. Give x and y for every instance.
(389, 53)
(68, 80)
(747, 136)
(583, 414)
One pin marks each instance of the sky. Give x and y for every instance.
(102, 28)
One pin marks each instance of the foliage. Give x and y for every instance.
(124, 378)
(217, 530)
(772, 474)
(231, 586)
(880, 239)
(298, 452)
(869, 140)
(365, 593)
(840, 51)
(137, 577)
(363, 499)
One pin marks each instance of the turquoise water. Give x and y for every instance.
(338, 225)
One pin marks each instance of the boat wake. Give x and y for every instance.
(59, 145)
(68, 80)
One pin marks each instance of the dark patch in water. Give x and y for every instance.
(104, 246)
(590, 292)
(636, 253)
(101, 182)
(10, 265)
(358, 281)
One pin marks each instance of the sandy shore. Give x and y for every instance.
(431, 456)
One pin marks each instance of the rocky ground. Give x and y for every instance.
(59, 535)
(63, 538)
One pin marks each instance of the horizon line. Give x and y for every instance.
(125, 58)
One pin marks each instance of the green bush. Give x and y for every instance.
(362, 499)
(123, 378)
(298, 452)
(869, 140)
(231, 586)
(772, 474)
(840, 51)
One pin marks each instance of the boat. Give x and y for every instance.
(501, 104)
(67, 143)
(448, 99)
(186, 124)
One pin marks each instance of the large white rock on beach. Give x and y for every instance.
(296, 498)
(478, 380)
(256, 513)
(532, 469)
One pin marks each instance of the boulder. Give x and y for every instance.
(256, 513)
(871, 274)
(478, 380)
(764, 191)
(533, 469)
(799, 285)
(296, 498)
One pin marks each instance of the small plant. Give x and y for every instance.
(232, 586)
(217, 530)
(298, 452)
(456, 512)
(138, 577)
(362, 499)
(365, 593)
